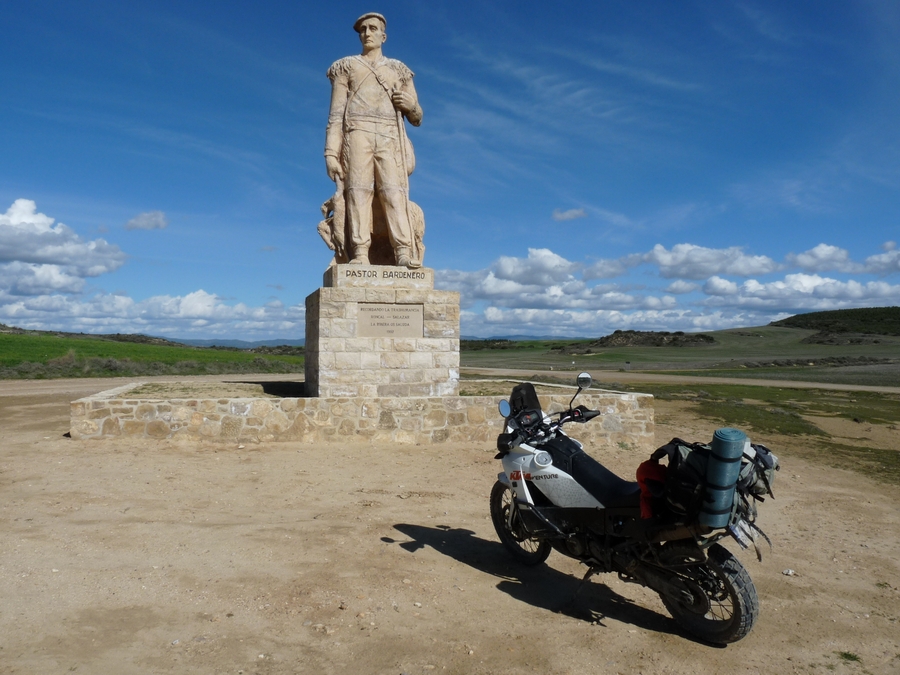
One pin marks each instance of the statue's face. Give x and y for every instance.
(371, 33)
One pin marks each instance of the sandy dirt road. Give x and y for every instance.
(130, 556)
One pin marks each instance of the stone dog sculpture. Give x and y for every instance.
(370, 219)
(380, 252)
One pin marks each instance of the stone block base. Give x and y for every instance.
(627, 419)
(372, 332)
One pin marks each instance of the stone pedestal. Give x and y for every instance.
(381, 331)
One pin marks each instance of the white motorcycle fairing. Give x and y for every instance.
(558, 486)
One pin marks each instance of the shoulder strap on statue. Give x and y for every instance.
(375, 73)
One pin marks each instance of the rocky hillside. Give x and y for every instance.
(638, 338)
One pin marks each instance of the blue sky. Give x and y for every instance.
(582, 166)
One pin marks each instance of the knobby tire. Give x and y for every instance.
(524, 548)
(726, 604)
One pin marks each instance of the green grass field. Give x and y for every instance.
(43, 356)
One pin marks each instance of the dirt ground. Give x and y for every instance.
(137, 556)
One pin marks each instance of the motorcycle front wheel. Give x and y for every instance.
(724, 604)
(524, 548)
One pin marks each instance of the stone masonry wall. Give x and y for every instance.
(341, 363)
(627, 419)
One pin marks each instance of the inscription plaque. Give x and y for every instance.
(403, 321)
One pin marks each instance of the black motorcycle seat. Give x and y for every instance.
(605, 486)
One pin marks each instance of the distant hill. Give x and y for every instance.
(261, 346)
(241, 344)
(864, 321)
(476, 344)
(637, 338)
(135, 338)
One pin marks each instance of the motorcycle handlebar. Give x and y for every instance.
(506, 442)
(581, 414)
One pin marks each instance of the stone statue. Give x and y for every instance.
(370, 219)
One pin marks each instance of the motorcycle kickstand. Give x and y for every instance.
(587, 576)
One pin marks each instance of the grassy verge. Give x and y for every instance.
(777, 410)
(771, 410)
(878, 463)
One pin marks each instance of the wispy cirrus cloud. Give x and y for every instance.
(637, 73)
(571, 214)
(150, 220)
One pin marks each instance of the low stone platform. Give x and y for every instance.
(627, 419)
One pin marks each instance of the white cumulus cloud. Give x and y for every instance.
(824, 258)
(542, 267)
(37, 256)
(686, 261)
(718, 286)
(496, 321)
(546, 294)
(43, 270)
(689, 261)
(680, 287)
(543, 281)
(612, 268)
(19, 278)
(198, 313)
(801, 292)
(884, 263)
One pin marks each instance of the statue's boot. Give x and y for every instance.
(405, 260)
(360, 257)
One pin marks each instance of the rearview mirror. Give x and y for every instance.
(584, 381)
(505, 408)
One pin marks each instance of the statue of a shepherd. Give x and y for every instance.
(369, 157)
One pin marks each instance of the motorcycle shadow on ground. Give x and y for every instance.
(540, 586)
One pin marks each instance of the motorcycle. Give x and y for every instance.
(662, 532)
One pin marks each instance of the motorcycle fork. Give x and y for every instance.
(534, 510)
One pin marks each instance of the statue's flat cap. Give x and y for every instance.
(369, 15)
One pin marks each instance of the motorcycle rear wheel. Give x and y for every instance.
(725, 604)
(524, 548)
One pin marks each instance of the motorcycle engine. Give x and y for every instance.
(575, 547)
